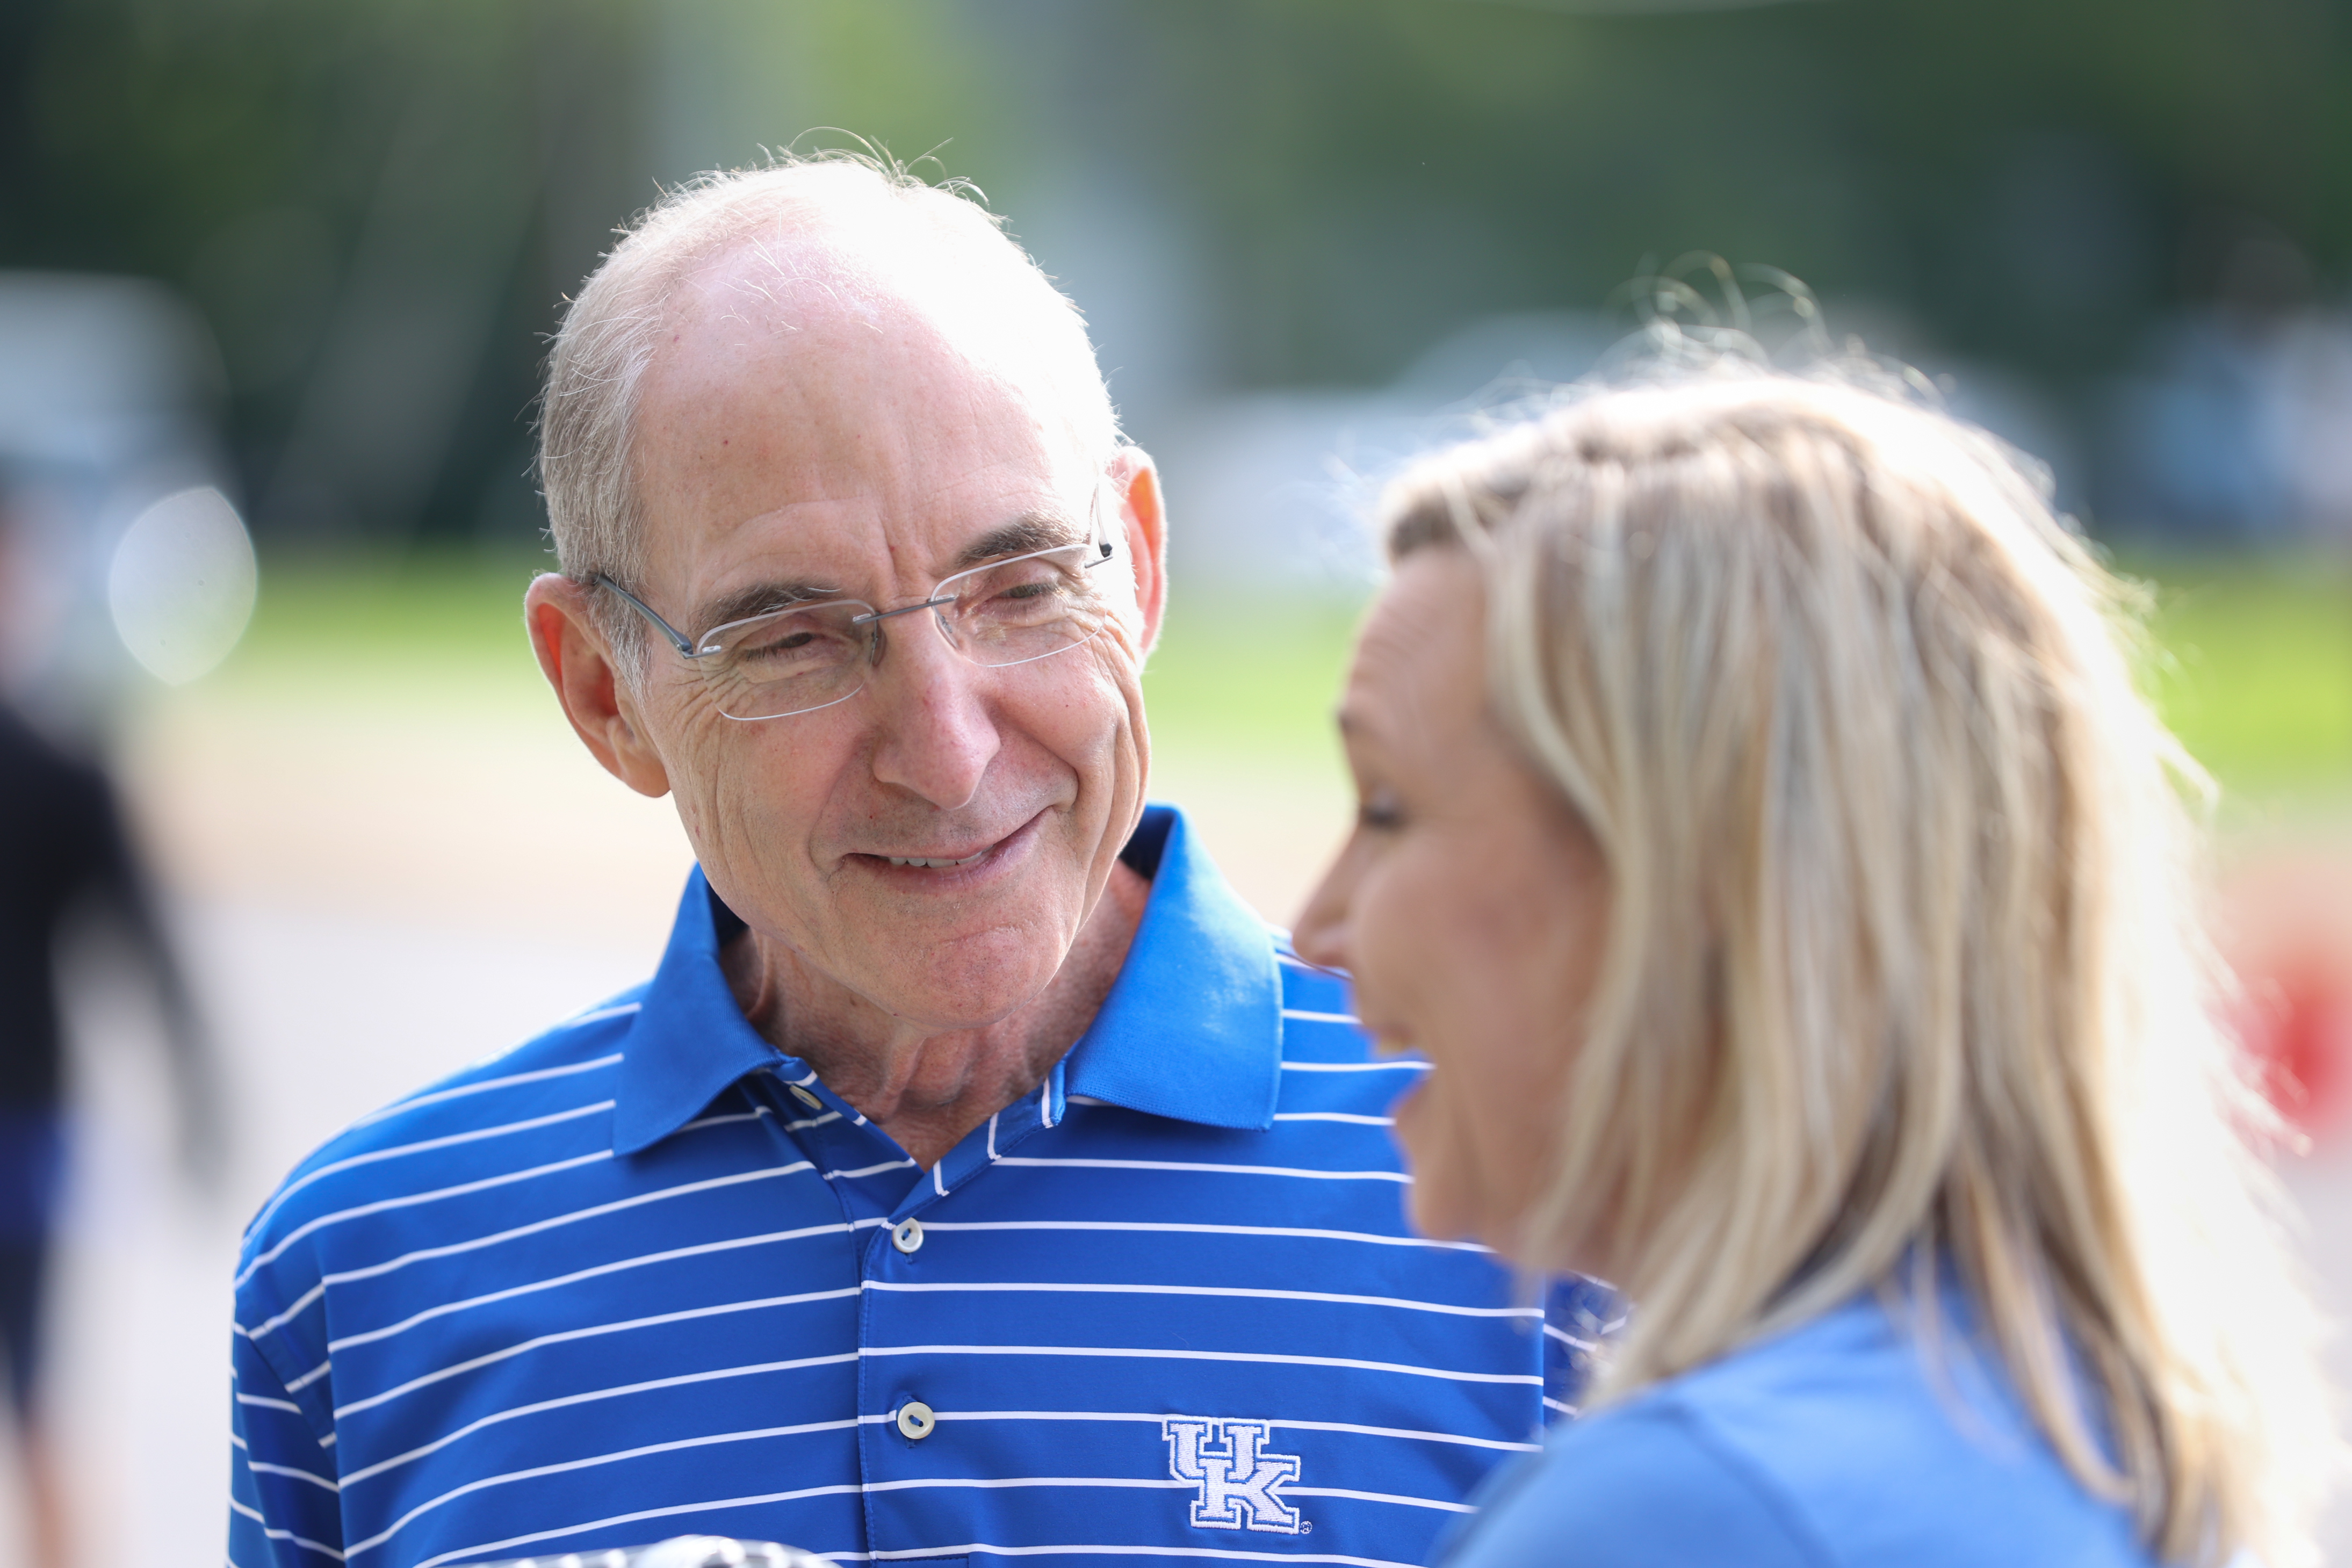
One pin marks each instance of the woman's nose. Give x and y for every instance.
(1321, 934)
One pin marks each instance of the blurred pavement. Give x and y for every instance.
(368, 909)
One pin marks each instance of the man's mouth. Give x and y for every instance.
(935, 863)
(945, 867)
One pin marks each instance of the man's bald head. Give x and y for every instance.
(816, 245)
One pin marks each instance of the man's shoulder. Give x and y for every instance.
(1330, 1072)
(557, 1083)
(1318, 1013)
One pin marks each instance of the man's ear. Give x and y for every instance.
(1143, 512)
(574, 658)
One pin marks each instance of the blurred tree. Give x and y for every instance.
(378, 204)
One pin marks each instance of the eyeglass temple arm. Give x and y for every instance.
(679, 640)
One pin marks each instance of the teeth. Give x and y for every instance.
(933, 864)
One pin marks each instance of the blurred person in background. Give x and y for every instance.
(69, 878)
(977, 1174)
(1762, 836)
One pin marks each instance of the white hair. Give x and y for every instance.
(1903, 967)
(588, 411)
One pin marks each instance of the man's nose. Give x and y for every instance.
(938, 735)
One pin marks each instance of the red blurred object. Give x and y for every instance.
(2287, 930)
(2298, 1026)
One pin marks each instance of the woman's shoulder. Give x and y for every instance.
(1835, 1444)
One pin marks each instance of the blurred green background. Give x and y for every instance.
(2118, 230)
(376, 205)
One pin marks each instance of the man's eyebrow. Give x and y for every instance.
(1037, 531)
(759, 597)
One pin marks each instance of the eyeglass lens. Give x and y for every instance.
(811, 657)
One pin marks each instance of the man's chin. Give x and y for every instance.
(948, 975)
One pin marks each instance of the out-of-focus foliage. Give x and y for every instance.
(378, 204)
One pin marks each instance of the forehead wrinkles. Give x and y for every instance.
(843, 360)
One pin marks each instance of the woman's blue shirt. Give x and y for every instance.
(1834, 1445)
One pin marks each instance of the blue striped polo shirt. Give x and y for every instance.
(645, 1275)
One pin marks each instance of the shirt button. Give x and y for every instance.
(908, 1238)
(807, 1099)
(916, 1420)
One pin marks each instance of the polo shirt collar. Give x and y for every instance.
(1191, 1028)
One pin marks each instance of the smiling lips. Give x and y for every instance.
(935, 864)
(1018, 836)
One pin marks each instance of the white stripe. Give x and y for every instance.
(992, 1134)
(1348, 1116)
(1154, 1418)
(485, 1086)
(812, 1122)
(412, 1199)
(1320, 1018)
(1117, 1353)
(565, 1402)
(269, 1403)
(754, 1115)
(1045, 1103)
(1129, 1483)
(268, 1325)
(869, 1170)
(593, 1331)
(1212, 1169)
(1551, 1403)
(269, 1532)
(617, 1456)
(1222, 1555)
(476, 1135)
(267, 1468)
(938, 1183)
(1370, 1497)
(1569, 1339)
(310, 1376)
(1408, 1064)
(598, 1015)
(1262, 1295)
(485, 1548)
(424, 1254)
(594, 1272)
(1152, 1226)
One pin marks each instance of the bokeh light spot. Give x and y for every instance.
(181, 584)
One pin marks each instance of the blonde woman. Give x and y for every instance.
(1762, 837)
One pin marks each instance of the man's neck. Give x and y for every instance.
(926, 1091)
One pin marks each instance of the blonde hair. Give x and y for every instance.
(1902, 966)
(597, 363)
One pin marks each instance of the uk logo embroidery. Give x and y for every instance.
(1240, 1482)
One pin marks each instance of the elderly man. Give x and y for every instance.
(976, 1176)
